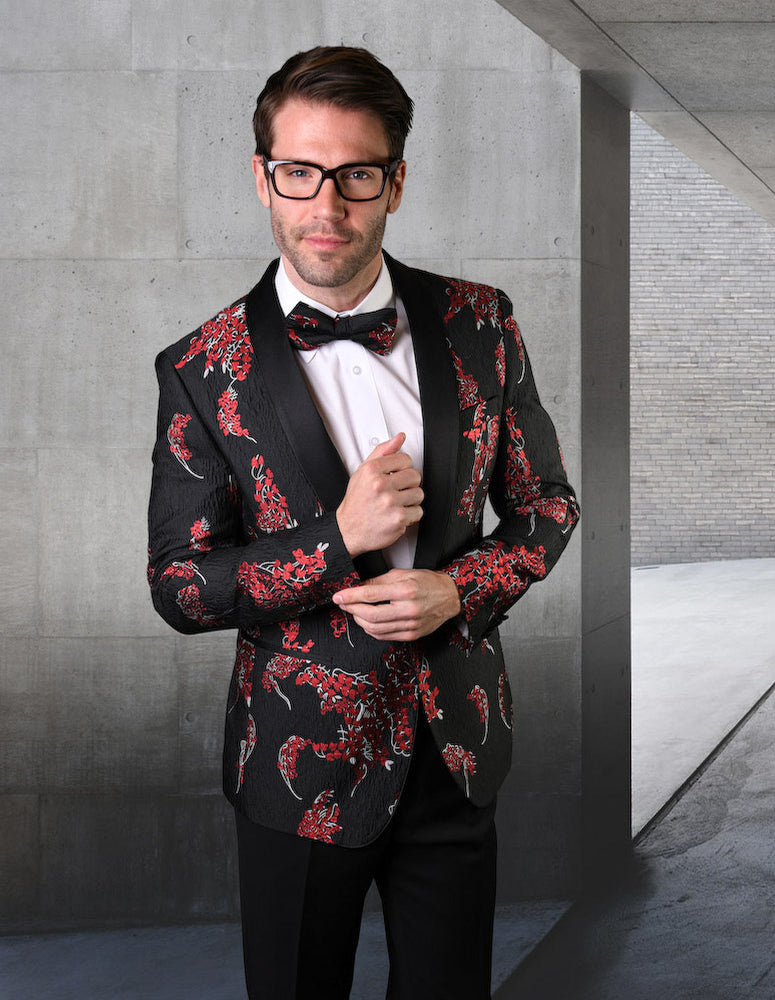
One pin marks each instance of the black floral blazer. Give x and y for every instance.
(320, 717)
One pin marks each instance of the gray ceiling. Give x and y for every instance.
(701, 72)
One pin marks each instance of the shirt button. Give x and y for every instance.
(374, 441)
(356, 369)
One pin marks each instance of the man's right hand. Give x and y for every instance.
(382, 500)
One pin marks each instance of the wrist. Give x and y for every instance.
(453, 605)
(348, 537)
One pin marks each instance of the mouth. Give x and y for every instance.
(322, 241)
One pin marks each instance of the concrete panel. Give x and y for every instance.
(100, 324)
(707, 67)
(208, 36)
(545, 680)
(88, 168)
(605, 359)
(686, 10)
(18, 515)
(92, 560)
(18, 859)
(202, 879)
(539, 851)
(116, 860)
(84, 34)
(203, 665)
(606, 736)
(105, 859)
(17, 662)
(445, 212)
(91, 715)
(481, 211)
(196, 35)
(605, 525)
(751, 135)
(605, 164)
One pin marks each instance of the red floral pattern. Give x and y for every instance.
(500, 362)
(243, 668)
(497, 572)
(246, 748)
(458, 759)
(177, 441)
(320, 820)
(478, 696)
(200, 534)
(190, 602)
(290, 630)
(273, 513)
(502, 700)
(225, 343)
(510, 324)
(482, 299)
(275, 584)
(428, 694)
(375, 716)
(228, 418)
(187, 570)
(279, 668)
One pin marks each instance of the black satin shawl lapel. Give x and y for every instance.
(441, 414)
(286, 388)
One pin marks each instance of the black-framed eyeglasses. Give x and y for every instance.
(353, 181)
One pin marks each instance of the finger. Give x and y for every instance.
(404, 479)
(388, 447)
(387, 465)
(367, 593)
(387, 633)
(385, 614)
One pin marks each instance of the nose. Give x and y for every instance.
(328, 203)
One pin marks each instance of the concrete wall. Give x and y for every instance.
(703, 336)
(129, 218)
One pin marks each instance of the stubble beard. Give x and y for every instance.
(334, 269)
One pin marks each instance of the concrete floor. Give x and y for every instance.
(694, 916)
(692, 919)
(703, 652)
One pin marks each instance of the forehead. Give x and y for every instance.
(326, 134)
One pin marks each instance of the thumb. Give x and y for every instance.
(389, 447)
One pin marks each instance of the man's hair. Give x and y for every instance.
(349, 78)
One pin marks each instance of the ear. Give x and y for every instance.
(397, 187)
(262, 181)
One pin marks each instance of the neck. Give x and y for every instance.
(340, 298)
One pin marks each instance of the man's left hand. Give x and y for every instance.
(403, 604)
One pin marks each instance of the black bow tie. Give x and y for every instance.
(308, 328)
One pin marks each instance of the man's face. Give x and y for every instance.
(331, 247)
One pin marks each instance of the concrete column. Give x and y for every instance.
(605, 527)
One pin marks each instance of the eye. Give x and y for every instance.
(360, 174)
(295, 171)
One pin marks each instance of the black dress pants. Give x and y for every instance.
(434, 867)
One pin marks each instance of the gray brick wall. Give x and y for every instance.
(703, 385)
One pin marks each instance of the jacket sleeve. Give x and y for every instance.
(530, 494)
(203, 572)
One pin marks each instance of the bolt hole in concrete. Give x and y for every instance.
(703, 654)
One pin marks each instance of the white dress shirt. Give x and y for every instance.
(364, 398)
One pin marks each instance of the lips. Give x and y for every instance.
(325, 242)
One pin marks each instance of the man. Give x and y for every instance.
(326, 444)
